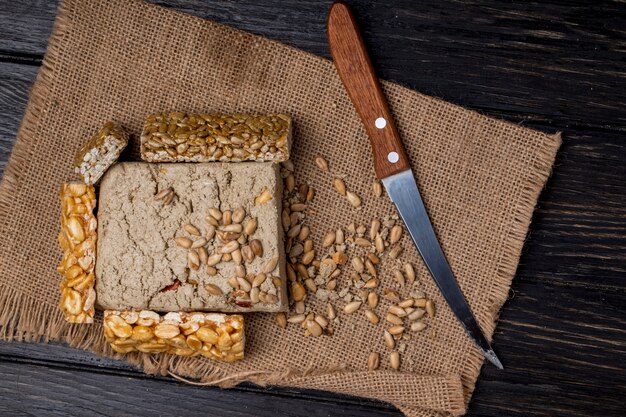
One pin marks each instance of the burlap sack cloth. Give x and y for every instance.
(122, 60)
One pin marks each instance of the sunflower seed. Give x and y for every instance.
(202, 255)
(410, 273)
(163, 193)
(198, 243)
(361, 241)
(296, 250)
(379, 244)
(294, 231)
(215, 213)
(372, 299)
(389, 340)
(395, 330)
(373, 361)
(357, 264)
(244, 284)
(399, 277)
(211, 221)
(213, 289)
(314, 328)
(229, 247)
(285, 219)
(331, 312)
(281, 320)
(321, 320)
(416, 314)
(183, 242)
(298, 318)
(290, 183)
(304, 233)
(395, 252)
(371, 269)
(251, 226)
(418, 326)
(257, 247)
(420, 302)
(303, 190)
(238, 215)
(371, 283)
(394, 360)
(377, 189)
(193, 261)
(339, 237)
(168, 198)
(307, 258)
(430, 308)
(214, 259)
(352, 307)
(353, 199)
(395, 235)
(371, 316)
(270, 265)
(321, 163)
(398, 311)
(374, 229)
(191, 229)
(227, 217)
(329, 239)
(391, 295)
(340, 186)
(232, 228)
(240, 271)
(298, 207)
(406, 303)
(393, 319)
(297, 291)
(310, 284)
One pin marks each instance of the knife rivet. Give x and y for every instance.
(393, 157)
(380, 122)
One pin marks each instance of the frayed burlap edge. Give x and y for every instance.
(24, 318)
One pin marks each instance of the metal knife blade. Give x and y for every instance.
(404, 193)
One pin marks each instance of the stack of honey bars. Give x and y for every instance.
(177, 238)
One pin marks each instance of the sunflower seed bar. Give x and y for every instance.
(213, 335)
(183, 137)
(78, 242)
(100, 152)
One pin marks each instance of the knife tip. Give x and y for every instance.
(491, 357)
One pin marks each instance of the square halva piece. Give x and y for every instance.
(183, 237)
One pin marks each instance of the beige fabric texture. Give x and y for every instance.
(122, 60)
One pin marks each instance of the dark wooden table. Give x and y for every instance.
(550, 66)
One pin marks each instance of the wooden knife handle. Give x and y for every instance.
(357, 74)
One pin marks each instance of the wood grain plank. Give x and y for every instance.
(48, 389)
(561, 61)
(547, 65)
(15, 82)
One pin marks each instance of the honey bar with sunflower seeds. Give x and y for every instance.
(78, 242)
(100, 152)
(212, 335)
(189, 137)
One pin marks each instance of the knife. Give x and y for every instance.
(391, 163)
